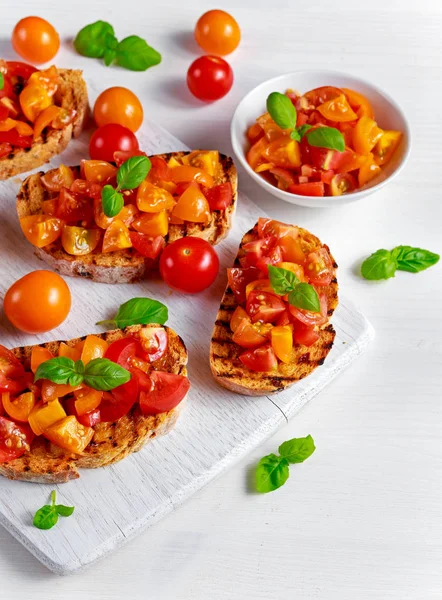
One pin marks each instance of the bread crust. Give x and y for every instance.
(230, 373)
(126, 266)
(46, 463)
(71, 93)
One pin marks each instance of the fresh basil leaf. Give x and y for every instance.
(414, 260)
(139, 311)
(135, 54)
(303, 129)
(305, 296)
(132, 172)
(326, 137)
(2, 81)
(64, 511)
(294, 135)
(79, 367)
(297, 450)
(45, 517)
(112, 201)
(282, 280)
(94, 39)
(109, 56)
(271, 473)
(281, 110)
(104, 375)
(58, 370)
(76, 379)
(379, 265)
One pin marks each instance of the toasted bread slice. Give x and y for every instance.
(233, 375)
(71, 94)
(46, 463)
(125, 266)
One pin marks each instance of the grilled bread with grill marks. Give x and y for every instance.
(232, 374)
(71, 94)
(125, 266)
(47, 463)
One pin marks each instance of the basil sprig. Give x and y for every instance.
(273, 470)
(100, 373)
(300, 294)
(129, 176)
(383, 264)
(47, 516)
(138, 311)
(282, 111)
(98, 40)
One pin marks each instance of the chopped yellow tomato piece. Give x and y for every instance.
(152, 224)
(186, 173)
(368, 171)
(73, 352)
(338, 109)
(207, 160)
(365, 135)
(298, 270)
(44, 415)
(98, 171)
(192, 206)
(19, 408)
(173, 162)
(70, 434)
(38, 356)
(94, 347)
(33, 100)
(151, 198)
(116, 237)
(386, 147)
(41, 230)
(282, 342)
(79, 241)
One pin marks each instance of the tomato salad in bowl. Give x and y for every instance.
(329, 145)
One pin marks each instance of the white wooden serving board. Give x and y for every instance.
(215, 430)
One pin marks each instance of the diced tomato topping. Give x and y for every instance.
(261, 359)
(239, 279)
(168, 390)
(303, 334)
(263, 306)
(147, 246)
(220, 196)
(307, 189)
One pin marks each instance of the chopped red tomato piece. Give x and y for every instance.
(303, 334)
(319, 267)
(239, 279)
(220, 196)
(15, 439)
(261, 359)
(315, 188)
(311, 318)
(168, 390)
(263, 306)
(147, 246)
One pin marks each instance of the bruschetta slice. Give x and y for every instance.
(40, 112)
(184, 194)
(48, 431)
(265, 337)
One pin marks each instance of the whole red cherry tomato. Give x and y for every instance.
(189, 265)
(111, 138)
(209, 78)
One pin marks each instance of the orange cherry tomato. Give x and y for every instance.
(43, 415)
(34, 99)
(94, 347)
(338, 109)
(55, 179)
(98, 171)
(116, 237)
(118, 105)
(87, 399)
(282, 342)
(368, 171)
(192, 206)
(152, 224)
(386, 146)
(184, 174)
(365, 135)
(41, 230)
(19, 408)
(217, 32)
(38, 302)
(283, 152)
(70, 434)
(359, 103)
(78, 240)
(152, 199)
(35, 40)
(39, 355)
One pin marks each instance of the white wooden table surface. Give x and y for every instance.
(362, 519)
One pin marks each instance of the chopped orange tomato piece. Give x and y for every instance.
(254, 133)
(254, 155)
(44, 415)
(19, 408)
(298, 270)
(98, 171)
(151, 198)
(73, 352)
(352, 163)
(39, 355)
(368, 171)
(175, 220)
(33, 100)
(192, 206)
(56, 179)
(79, 241)
(282, 342)
(45, 118)
(283, 152)
(47, 79)
(251, 335)
(70, 434)
(338, 109)
(264, 167)
(21, 127)
(51, 391)
(41, 230)
(271, 130)
(238, 315)
(260, 285)
(186, 173)
(49, 207)
(365, 135)
(116, 237)
(87, 399)
(152, 224)
(206, 160)
(292, 250)
(359, 103)
(99, 217)
(127, 214)
(94, 347)
(386, 146)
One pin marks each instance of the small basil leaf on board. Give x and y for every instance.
(271, 473)
(303, 129)
(132, 172)
(45, 517)
(2, 81)
(139, 311)
(305, 296)
(64, 511)
(297, 450)
(281, 110)
(135, 54)
(104, 375)
(326, 137)
(379, 265)
(94, 39)
(112, 201)
(58, 370)
(282, 280)
(414, 260)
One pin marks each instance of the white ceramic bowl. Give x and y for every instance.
(387, 114)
